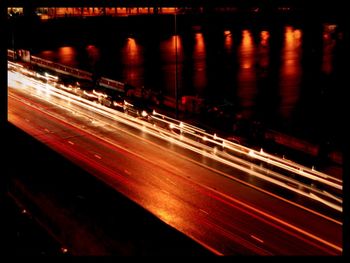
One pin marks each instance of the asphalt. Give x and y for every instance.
(22, 235)
(25, 235)
(48, 211)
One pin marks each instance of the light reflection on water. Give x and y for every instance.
(171, 53)
(133, 62)
(67, 55)
(290, 70)
(328, 48)
(247, 74)
(228, 41)
(239, 69)
(199, 55)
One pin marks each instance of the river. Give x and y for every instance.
(287, 75)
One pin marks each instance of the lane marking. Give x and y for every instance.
(170, 181)
(228, 197)
(205, 212)
(256, 238)
(275, 219)
(207, 167)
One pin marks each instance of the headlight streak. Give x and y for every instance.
(286, 224)
(196, 146)
(252, 153)
(321, 178)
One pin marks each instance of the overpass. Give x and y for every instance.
(337, 5)
(149, 3)
(335, 10)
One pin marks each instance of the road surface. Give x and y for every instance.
(226, 209)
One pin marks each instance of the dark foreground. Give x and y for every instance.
(52, 207)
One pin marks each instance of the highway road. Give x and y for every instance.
(226, 208)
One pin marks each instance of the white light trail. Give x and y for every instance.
(195, 144)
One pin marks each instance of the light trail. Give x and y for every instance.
(287, 165)
(190, 144)
(261, 212)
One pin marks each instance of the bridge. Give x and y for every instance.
(267, 5)
(148, 3)
(84, 8)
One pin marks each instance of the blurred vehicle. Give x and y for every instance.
(137, 108)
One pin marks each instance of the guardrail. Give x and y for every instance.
(63, 69)
(185, 105)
